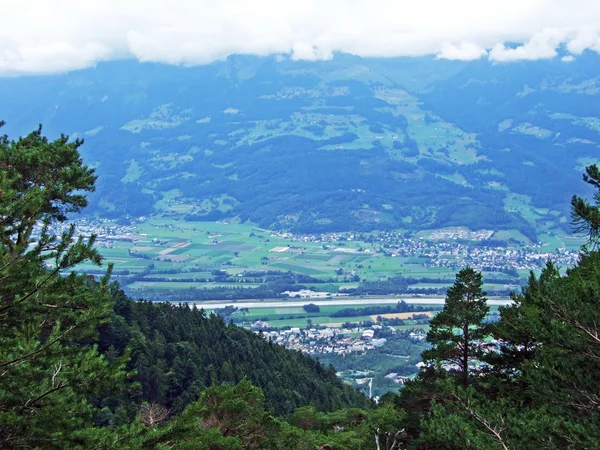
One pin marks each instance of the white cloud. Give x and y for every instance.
(587, 38)
(465, 51)
(542, 45)
(308, 52)
(47, 36)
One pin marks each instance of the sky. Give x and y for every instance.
(47, 36)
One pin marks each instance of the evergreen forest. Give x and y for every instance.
(83, 366)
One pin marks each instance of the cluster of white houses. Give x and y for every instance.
(324, 340)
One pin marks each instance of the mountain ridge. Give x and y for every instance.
(350, 143)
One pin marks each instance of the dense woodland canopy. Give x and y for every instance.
(82, 366)
(78, 345)
(177, 353)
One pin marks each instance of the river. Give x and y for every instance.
(333, 302)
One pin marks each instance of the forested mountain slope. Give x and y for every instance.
(77, 357)
(346, 144)
(79, 361)
(178, 352)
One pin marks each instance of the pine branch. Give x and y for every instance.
(495, 431)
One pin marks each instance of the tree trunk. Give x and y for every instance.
(465, 355)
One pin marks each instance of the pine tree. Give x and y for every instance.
(585, 216)
(541, 390)
(457, 332)
(49, 371)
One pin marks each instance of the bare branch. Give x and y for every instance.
(57, 368)
(38, 351)
(152, 414)
(29, 403)
(494, 430)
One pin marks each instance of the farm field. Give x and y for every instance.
(332, 313)
(297, 317)
(164, 255)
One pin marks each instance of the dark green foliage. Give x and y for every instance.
(57, 390)
(515, 332)
(49, 370)
(311, 308)
(40, 181)
(234, 417)
(542, 386)
(400, 307)
(457, 332)
(540, 389)
(178, 352)
(586, 217)
(236, 411)
(563, 376)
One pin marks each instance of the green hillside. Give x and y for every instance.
(82, 366)
(178, 352)
(351, 144)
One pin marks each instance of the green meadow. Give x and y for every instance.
(292, 316)
(171, 255)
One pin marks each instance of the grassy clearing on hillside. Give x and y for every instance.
(431, 133)
(520, 204)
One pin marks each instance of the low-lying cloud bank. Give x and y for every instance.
(39, 36)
